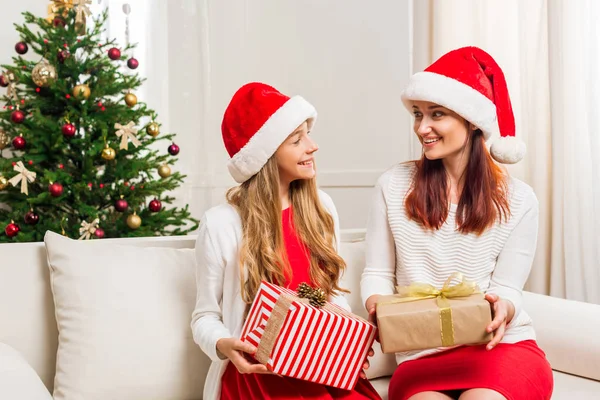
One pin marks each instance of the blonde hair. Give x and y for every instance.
(263, 252)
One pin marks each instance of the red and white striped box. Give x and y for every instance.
(325, 345)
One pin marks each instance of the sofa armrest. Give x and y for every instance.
(18, 380)
(567, 331)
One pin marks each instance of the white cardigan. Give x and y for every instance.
(219, 311)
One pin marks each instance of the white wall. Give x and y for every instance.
(349, 58)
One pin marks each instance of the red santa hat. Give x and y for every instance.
(469, 82)
(256, 122)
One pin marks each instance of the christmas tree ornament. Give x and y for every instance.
(130, 99)
(31, 218)
(17, 116)
(62, 56)
(12, 229)
(108, 153)
(134, 221)
(164, 171)
(55, 189)
(59, 22)
(87, 229)
(58, 9)
(155, 205)
(3, 183)
(3, 81)
(21, 48)
(99, 233)
(133, 63)
(82, 12)
(43, 74)
(23, 175)
(127, 133)
(121, 205)
(19, 143)
(114, 54)
(153, 129)
(68, 130)
(82, 92)
(173, 149)
(4, 139)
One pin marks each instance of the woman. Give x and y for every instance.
(276, 226)
(455, 210)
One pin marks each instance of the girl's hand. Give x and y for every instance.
(234, 350)
(503, 312)
(366, 365)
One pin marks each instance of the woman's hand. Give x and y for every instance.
(366, 365)
(503, 312)
(234, 350)
(370, 305)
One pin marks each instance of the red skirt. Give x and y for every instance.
(516, 371)
(236, 386)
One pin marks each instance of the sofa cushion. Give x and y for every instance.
(17, 379)
(123, 316)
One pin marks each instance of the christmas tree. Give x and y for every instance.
(78, 152)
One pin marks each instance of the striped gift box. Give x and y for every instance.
(325, 345)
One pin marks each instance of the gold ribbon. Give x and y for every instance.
(87, 229)
(55, 6)
(127, 132)
(23, 176)
(83, 11)
(421, 291)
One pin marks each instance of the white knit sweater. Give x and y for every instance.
(400, 251)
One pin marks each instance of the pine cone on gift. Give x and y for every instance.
(304, 290)
(316, 297)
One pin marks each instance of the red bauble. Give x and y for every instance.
(63, 55)
(59, 21)
(68, 130)
(56, 189)
(19, 143)
(133, 63)
(155, 205)
(114, 54)
(121, 205)
(173, 149)
(31, 218)
(17, 116)
(21, 48)
(3, 81)
(99, 233)
(12, 230)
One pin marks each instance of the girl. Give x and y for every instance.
(276, 226)
(456, 210)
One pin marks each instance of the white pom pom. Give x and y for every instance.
(508, 150)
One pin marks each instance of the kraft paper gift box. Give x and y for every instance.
(326, 345)
(422, 317)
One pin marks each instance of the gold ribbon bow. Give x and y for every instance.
(88, 228)
(421, 291)
(315, 296)
(127, 132)
(55, 6)
(83, 11)
(23, 176)
(11, 90)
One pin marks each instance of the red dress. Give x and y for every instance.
(236, 386)
(517, 371)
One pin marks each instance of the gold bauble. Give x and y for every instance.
(3, 183)
(82, 91)
(108, 153)
(43, 74)
(164, 171)
(153, 129)
(4, 140)
(130, 99)
(134, 221)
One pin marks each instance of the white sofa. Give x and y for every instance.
(567, 330)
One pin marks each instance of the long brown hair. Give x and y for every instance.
(483, 199)
(263, 252)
